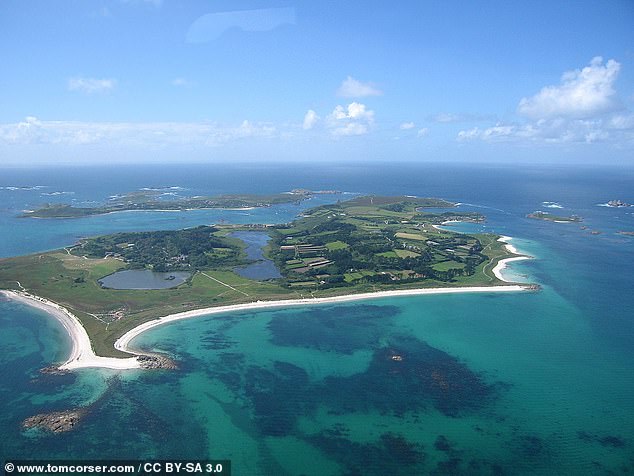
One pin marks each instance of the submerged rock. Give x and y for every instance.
(56, 422)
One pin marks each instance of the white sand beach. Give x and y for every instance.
(123, 343)
(83, 356)
(502, 264)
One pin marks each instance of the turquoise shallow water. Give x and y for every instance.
(529, 383)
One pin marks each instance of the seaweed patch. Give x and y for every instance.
(409, 375)
(342, 329)
(391, 454)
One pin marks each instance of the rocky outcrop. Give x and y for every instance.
(56, 422)
(153, 362)
(53, 370)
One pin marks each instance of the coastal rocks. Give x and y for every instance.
(56, 422)
(532, 287)
(618, 204)
(154, 362)
(53, 370)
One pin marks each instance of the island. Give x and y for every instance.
(161, 200)
(539, 215)
(617, 204)
(106, 290)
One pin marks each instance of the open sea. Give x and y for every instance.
(528, 383)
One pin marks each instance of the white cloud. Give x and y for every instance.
(422, 132)
(212, 25)
(583, 108)
(622, 122)
(581, 94)
(407, 125)
(355, 119)
(352, 88)
(72, 133)
(355, 111)
(310, 119)
(449, 117)
(351, 129)
(556, 131)
(91, 85)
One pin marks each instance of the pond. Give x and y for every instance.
(263, 268)
(143, 279)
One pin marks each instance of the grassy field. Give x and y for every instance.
(337, 245)
(108, 313)
(447, 265)
(412, 236)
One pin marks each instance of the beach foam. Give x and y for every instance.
(502, 264)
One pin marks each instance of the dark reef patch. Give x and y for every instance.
(443, 444)
(407, 375)
(613, 441)
(229, 371)
(343, 329)
(607, 440)
(51, 379)
(391, 454)
(277, 397)
(532, 446)
(405, 378)
(457, 466)
(155, 422)
(216, 340)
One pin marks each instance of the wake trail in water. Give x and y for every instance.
(486, 207)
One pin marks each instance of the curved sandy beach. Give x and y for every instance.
(82, 355)
(123, 343)
(502, 264)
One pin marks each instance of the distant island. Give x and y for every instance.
(539, 215)
(118, 285)
(152, 199)
(617, 204)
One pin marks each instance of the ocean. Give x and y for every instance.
(528, 383)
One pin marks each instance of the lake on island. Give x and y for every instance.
(144, 279)
(262, 268)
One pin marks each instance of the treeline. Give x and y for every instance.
(165, 250)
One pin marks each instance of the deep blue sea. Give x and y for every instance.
(529, 383)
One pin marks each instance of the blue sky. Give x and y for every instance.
(89, 81)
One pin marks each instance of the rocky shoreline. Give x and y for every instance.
(67, 420)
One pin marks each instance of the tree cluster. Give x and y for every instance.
(192, 248)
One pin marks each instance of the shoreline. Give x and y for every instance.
(82, 355)
(123, 342)
(503, 263)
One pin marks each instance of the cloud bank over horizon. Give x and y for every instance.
(583, 108)
(304, 81)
